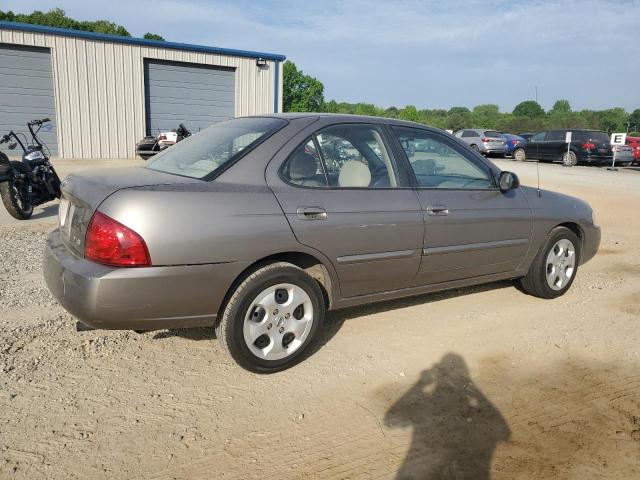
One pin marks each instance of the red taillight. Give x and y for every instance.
(589, 146)
(485, 139)
(162, 137)
(111, 243)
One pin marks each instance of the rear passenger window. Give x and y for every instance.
(349, 156)
(556, 136)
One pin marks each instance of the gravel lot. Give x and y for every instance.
(460, 384)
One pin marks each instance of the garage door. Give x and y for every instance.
(195, 95)
(26, 92)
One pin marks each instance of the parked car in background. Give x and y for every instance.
(258, 225)
(526, 136)
(634, 143)
(487, 142)
(512, 141)
(587, 146)
(624, 154)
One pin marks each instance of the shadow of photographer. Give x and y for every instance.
(456, 429)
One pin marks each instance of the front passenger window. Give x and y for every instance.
(436, 164)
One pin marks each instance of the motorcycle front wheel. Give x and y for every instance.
(15, 195)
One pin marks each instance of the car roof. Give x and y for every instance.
(343, 117)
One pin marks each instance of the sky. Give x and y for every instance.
(427, 53)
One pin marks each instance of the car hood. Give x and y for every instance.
(558, 205)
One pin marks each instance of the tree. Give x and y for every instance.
(561, 107)
(301, 93)
(486, 116)
(57, 17)
(529, 109)
(634, 119)
(153, 36)
(409, 112)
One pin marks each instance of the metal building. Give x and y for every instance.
(105, 92)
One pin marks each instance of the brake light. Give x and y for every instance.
(162, 137)
(110, 243)
(486, 139)
(589, 146)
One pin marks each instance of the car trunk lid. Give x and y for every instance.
(83, 192)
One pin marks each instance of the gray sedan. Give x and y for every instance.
(259, 225)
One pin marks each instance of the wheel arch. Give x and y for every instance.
(311, 264)
(575, 228)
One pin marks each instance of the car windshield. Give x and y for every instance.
(597, 136)
(209, 150)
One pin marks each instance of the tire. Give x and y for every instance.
(519, 155)
(13, 195)
(544, 282)
(569, 159)
(475, 147)
(262, 328)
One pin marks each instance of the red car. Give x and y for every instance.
(634, 142)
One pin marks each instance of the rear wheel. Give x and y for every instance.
(519, 155)
(569, 159)
(475, 147)
(272, 318)
(15, 195)
(555, 266)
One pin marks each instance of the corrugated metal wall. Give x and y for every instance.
(99, 88)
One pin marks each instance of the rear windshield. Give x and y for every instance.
(211, 149)
(493, 134)
(596, 136)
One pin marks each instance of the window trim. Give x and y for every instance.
(457, 145)
(402, 178)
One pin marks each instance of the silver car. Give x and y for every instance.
(488, 142)
(259, 225)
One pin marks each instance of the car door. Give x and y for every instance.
(535, 148)
(471, 228)
(555, 145)
(344, 195)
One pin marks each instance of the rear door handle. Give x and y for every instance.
(437, 210)
(311, 213)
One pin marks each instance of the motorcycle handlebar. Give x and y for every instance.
(5, 139)
(39, 122)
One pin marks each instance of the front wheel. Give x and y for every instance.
(569, 159)
(519, 155)
(555, 266)
(15, 194)
(272, 318)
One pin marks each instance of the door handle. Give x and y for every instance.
(437, 210)
(311, 213)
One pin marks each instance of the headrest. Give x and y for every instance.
(354, 174)
(302, 165)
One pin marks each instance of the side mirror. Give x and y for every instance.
(508, 181)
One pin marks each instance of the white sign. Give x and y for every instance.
(618, 138)
(567, 138)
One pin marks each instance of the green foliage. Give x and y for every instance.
(57, 18)
(409, 112)
(302, 93)
(561, 107)
(153, 36)
(529, 109)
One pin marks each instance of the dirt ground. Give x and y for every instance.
(476, 383)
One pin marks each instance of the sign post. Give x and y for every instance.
(567, 139)
(616, 139)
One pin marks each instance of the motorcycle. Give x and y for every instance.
(150, 145)
(31, 182)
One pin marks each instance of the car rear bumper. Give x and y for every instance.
(147, 298)
(491, 149)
